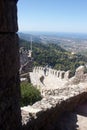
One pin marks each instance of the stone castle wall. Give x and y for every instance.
(45, 114)
(42, 114)
(10, 117)
(80, 75)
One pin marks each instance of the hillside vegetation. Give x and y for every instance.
(29, 94)
(54, 56)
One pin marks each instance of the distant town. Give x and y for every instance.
(75, 43)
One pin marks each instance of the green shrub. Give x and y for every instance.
(29, 94)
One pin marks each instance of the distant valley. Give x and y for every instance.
(76, 43)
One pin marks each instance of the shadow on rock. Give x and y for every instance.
(82, 109)
(68, 121)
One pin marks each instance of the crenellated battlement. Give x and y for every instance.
(54, 79)
(60, 94)
(57, 73)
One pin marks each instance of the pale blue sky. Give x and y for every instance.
(53, 15)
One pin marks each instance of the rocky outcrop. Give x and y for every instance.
(10, 116)
(80, 76)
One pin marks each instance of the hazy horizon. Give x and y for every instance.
(57, 34)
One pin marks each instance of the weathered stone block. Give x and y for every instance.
(10, 117)
(67, 74)
(80, 71)
(9, 55)
(8, 16)
(62, 74)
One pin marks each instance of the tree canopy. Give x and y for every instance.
(54, 56)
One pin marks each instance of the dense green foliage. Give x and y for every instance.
(29, 94)
(55, 56)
